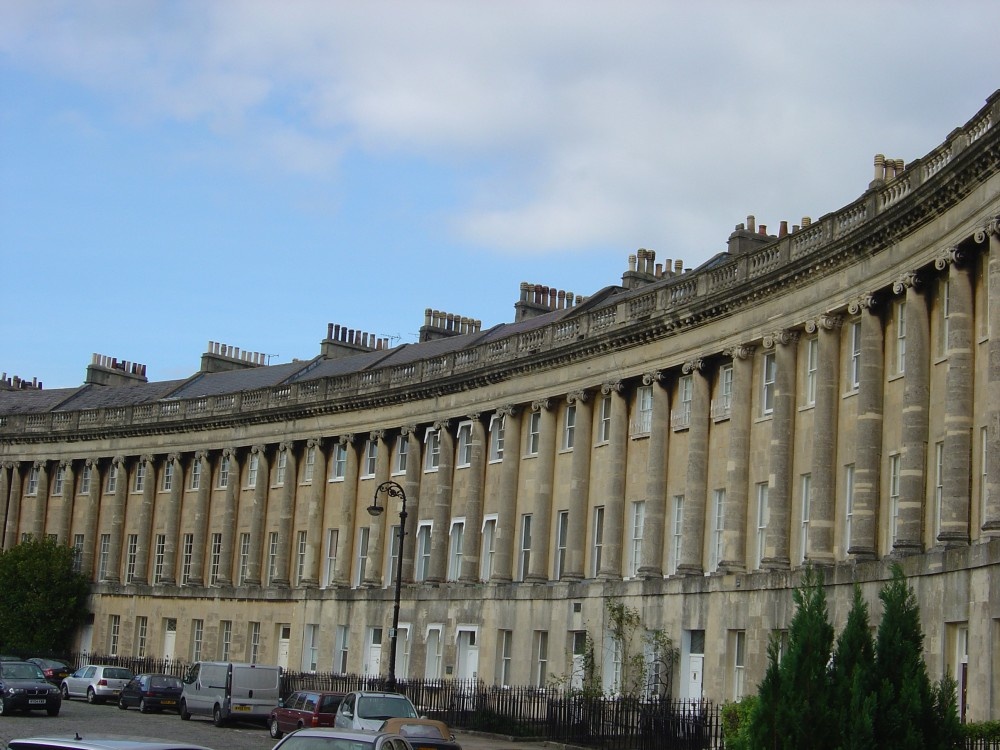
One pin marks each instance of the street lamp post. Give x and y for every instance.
(393, 489)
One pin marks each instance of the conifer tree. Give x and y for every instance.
(763, 732)
(904, 714)
(852, 679)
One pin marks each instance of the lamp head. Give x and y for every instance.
(375, 510)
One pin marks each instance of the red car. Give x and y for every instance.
(304, 708)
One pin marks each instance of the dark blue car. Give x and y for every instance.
(23, 687)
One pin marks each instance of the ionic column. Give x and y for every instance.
(145, 520)
(738, 472)
(579, 484)
(991, 513)
(823, 500)
(285, 516)
(200, 521)
(42, 500)
(117, 528)
(379, 526)
(348, 501)
(411, 486)
(5, 468)
(868, 444)
(507, 510)
(916, 395)
(651, 564)
(69, 496)
(538, 564)
(779, 493)
(474, 501)
(958, 402)
(172, 530)
(258, 514)
(614, 497)
(317, 500)
(696, 482)
(229, 517)
(14, 506)
(92, 516)
(442, 503)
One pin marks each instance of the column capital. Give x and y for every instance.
(315, 442)
(541, 404)
(66, 463)
(147, 458)
(286, 445)
(377, 435)
(694, 365)
(825, 322)
(909, 280)
(92, 463)
(612, 386)
(346, 439)
(173, 458)
(442, 425)
(408, 429)
(229, 453)
(784, 337)
(118, 460)
(581, 395)
(475, 416)
(40, 463)
(656, 376)
(508, 410)
(868, 301)
(8, 464)
(258, 449)
(990, 228)
(739, 351)
(948, 256)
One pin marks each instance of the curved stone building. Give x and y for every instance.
(684, 443)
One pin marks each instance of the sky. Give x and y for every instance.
(241, 171)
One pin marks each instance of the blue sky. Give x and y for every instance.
(248, 172)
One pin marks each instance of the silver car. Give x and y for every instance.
(342, 739)
(95, 682)
(102, 742)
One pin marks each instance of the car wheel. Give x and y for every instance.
(183, 711)
(121, 703)
(52, 711)
(4, 710)
(143, 708)
(217, 717)
(272, 727)
(91, 696)
(65, 692)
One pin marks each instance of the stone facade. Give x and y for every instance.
(685, 442)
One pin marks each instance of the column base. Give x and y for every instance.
(730, 567)
(905, 549)
(862, 554)
(536, 578)
(690, 570)
(649, 573)
(952, 540)
(776, 563)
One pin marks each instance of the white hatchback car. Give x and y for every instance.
(95, 682)
(367, 710)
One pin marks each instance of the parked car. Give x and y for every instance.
(95, 682)
(367, 710)
(23, 688)
(55, 670)
(423, 734)
(98, 743)
(231, 691)
(304, 708)
(342, 739)
(152, 692)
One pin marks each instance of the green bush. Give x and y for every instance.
(736, 723)
(981, 730)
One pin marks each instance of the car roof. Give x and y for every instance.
(107, 742)
(334, 732)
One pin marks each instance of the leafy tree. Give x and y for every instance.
(852, 678)
(42, 601)
(904, 714)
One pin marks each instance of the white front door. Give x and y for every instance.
(468, 656)
(695, 677)
(169, 637)
(373, 652)
(283, 640)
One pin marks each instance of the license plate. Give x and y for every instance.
(115, 692)
(168, 703)
(242, 708)
(36, 701)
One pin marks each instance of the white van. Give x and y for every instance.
(230, 690)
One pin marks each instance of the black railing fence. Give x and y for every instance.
(545, 713)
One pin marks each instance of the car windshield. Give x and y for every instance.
(118, 673)
(385, 707)
(165, 681)
(325, 743)
(22, 672)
